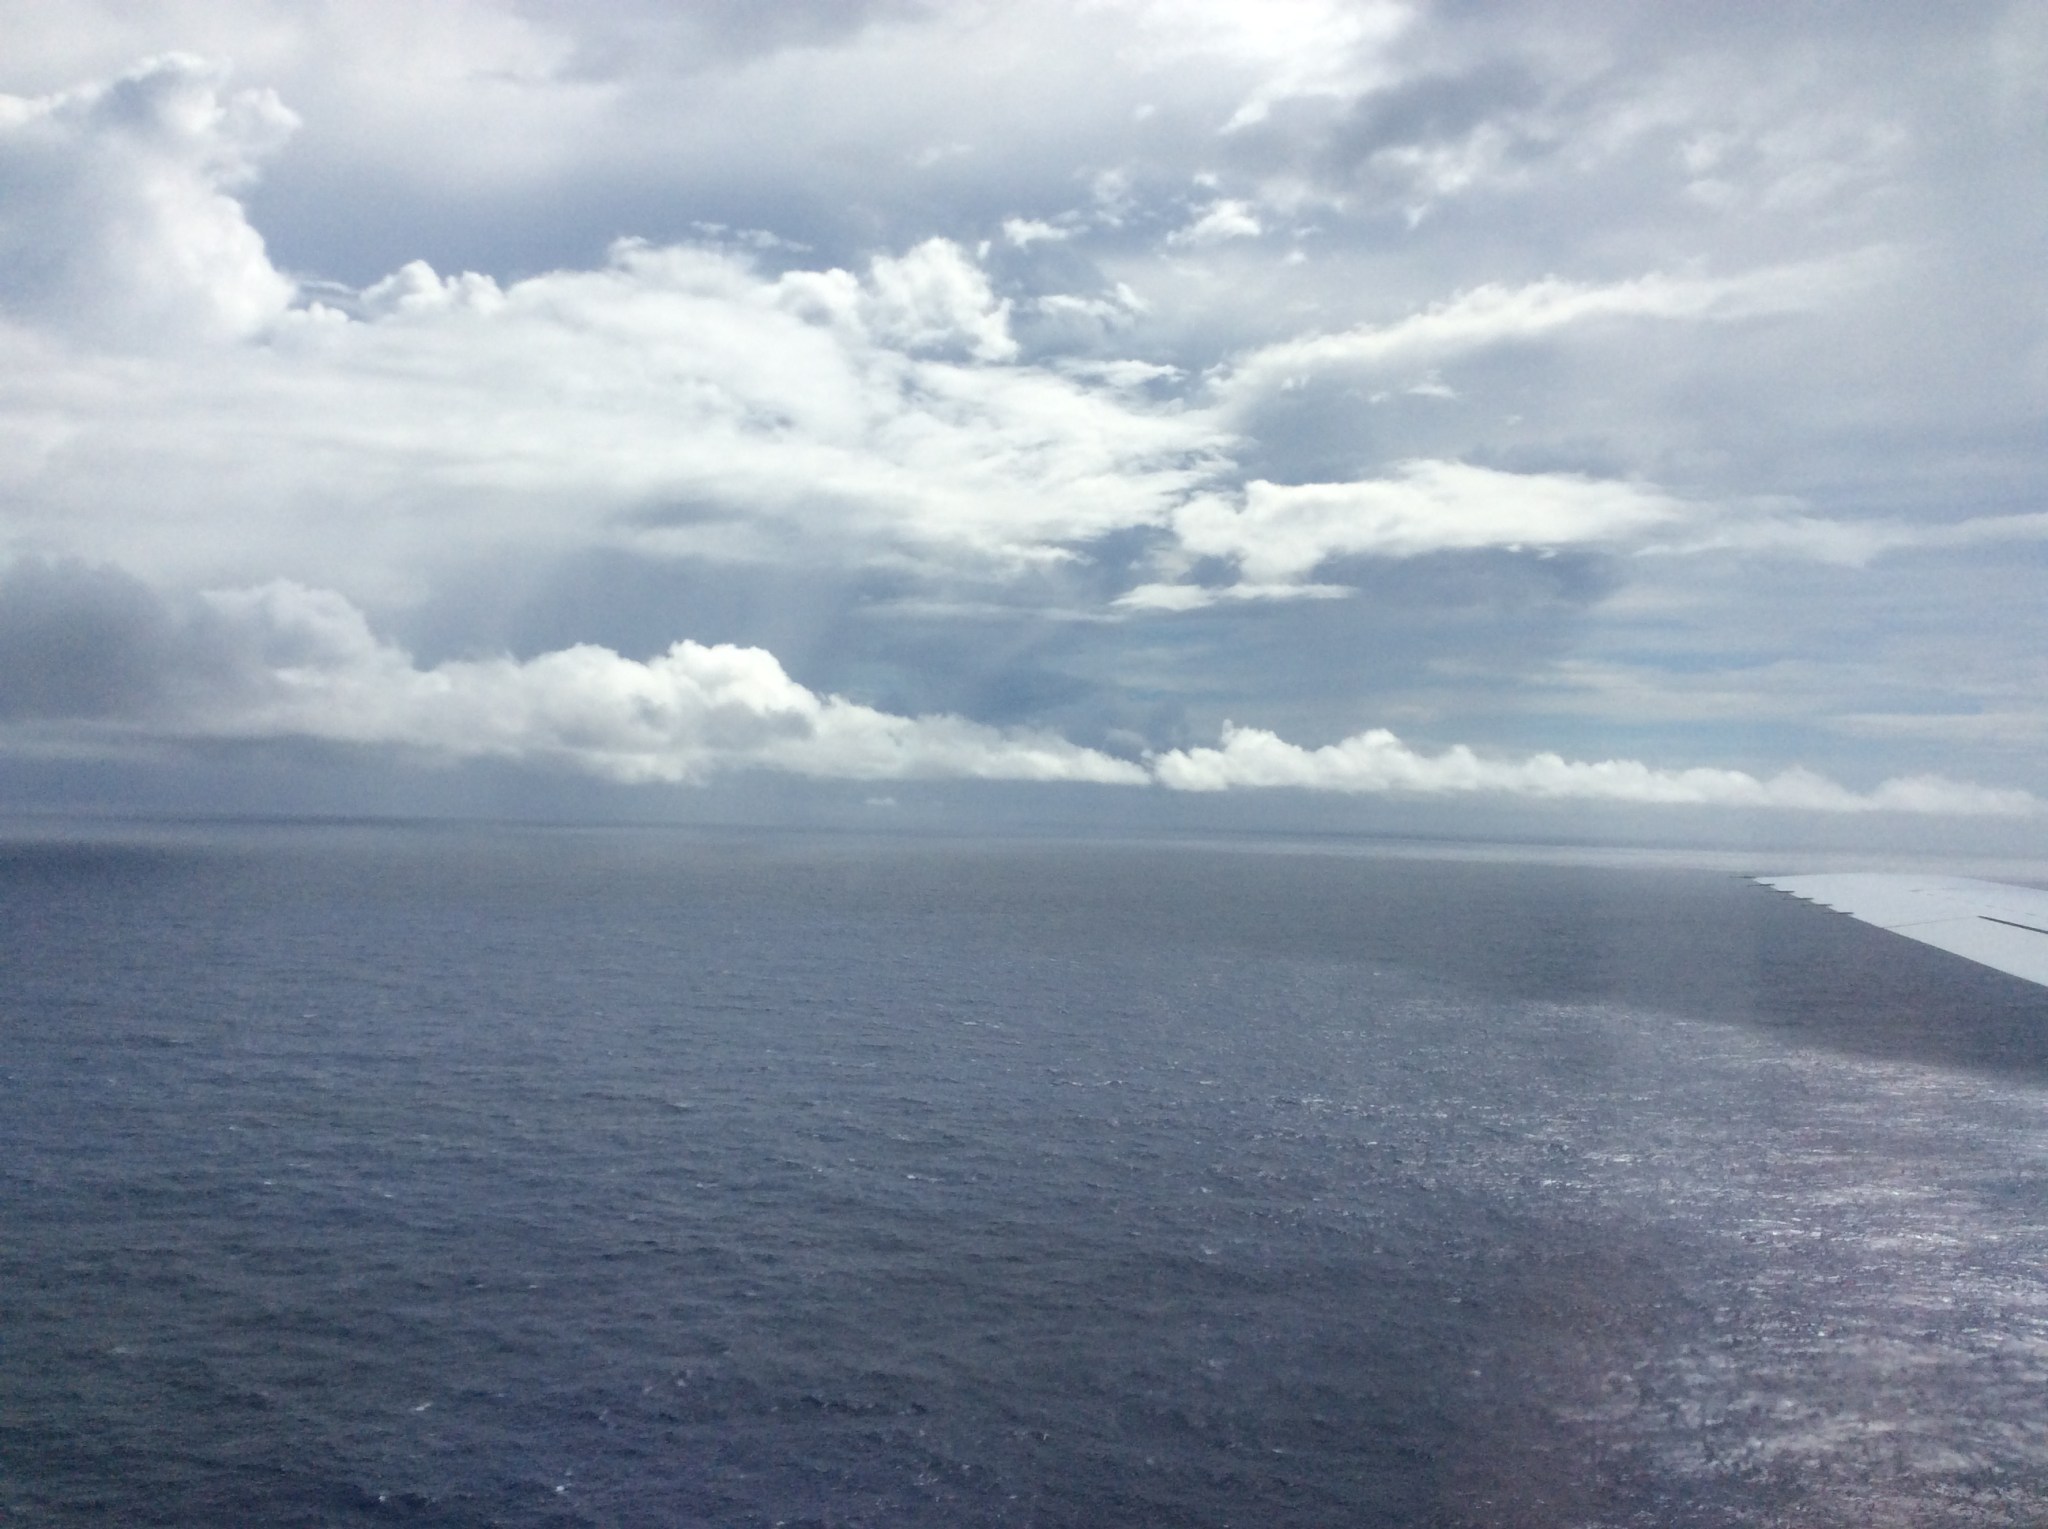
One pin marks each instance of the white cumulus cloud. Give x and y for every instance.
(680, 716)
(676, 401)
(117, 213)
(935, 298)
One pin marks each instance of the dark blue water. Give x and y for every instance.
(463, 1177)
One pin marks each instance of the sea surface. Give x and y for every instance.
(359, 1175)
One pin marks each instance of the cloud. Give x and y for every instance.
(110, 665)
(312, 668)
(900, 437)
(1024, 232)
(1293, 49)
(1496, 314)
(1226, 218)
(678, 401)
(117, 217)
(682, 401)
(1851, 543)
(934, 298)
(1276, 534)
(1280, 533)
(680, 716)
(1194, 597)
(93, 660)
(1377, 762)
(78, 641)
(1437, 171)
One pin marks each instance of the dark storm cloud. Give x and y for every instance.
(82, 642)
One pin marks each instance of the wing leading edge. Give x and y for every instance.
(1983, 921)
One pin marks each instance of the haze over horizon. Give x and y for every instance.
(1407, 414)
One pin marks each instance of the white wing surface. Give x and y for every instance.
(1983, 921)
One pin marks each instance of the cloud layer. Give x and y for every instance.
(885, 390)
(1378, 762)
(678, 717)
(282, 661)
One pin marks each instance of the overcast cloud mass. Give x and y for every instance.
(1621, 404)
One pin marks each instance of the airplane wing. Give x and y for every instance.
(1984, 921)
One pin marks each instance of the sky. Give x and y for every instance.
(1388, 414)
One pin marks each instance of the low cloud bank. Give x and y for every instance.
(1378, 762)
(681, 716)
(93, 658)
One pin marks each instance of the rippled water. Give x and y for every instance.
(463, 1177)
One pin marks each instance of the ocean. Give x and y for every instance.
(445, 1175)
